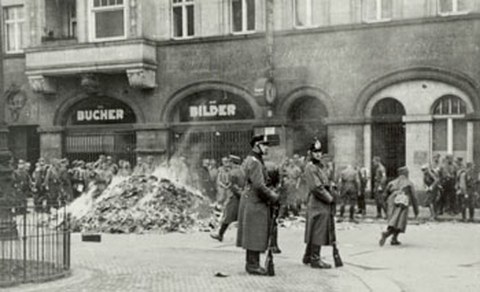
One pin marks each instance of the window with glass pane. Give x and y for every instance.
(440, 135)
(450, 105)
(378, 9)
(14, 19)
(301, 12)
(452, 6)
(109, 18)
(459, 135)
(243, 15)
(183, 14)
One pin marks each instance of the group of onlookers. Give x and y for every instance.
(451, 186)
(56, 183)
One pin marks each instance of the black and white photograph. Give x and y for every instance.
(240, 145)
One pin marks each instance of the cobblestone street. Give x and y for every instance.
(433, 257)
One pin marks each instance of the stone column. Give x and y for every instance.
(5, 156)
(346, 141)
(418, 132)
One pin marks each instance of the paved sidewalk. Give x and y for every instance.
(433, 257)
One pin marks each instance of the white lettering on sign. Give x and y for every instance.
(100, 115)
(212, 110)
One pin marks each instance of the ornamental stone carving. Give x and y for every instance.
(141, 78)
(42, 84)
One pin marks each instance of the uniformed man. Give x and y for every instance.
(254, 212)
(400, 194)
(379, 182)
(431, 181)
(319, 229)
(467, 192)
(38, 180)
(349, 191)
(448, 175)
(363, 176)
(237, 183)
(223, 182)
(22, 184)
(53, 184)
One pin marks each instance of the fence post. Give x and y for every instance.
(25, 241)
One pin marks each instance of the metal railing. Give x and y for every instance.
(34, 245)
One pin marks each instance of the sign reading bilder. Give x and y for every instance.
(212, 105)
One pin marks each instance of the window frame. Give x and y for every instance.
(454, 11)
(72, 19)
(92, 23)
(244, 19)
(18, 24)
(378, 12)
(183, 4)
(449, 118)
(309, 15)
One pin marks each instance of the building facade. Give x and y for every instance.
(392, 78)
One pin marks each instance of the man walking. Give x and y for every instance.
(400, 194)
(318, 228)
(349, 191)
(237, 183)
(254, 213)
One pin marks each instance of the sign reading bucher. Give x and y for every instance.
(213, 105)
(101, 110)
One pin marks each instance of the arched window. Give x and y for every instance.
(449, 125)
(388, 107)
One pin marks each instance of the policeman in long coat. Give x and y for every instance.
(237, 183)
(319, 228)
(400, 194)
(254, 211)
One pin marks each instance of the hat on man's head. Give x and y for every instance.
(425, 166)
(402, 170)
(235, 159)
(261, 139)
(316, 146)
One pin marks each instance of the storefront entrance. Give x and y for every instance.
(210, 124)
(388, 134)
(97, 126)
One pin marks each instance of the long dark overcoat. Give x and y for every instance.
(318, 228)
(398, 215)
(254, 210)
(231, 207)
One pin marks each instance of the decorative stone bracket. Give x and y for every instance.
(43, 84)
(141, 78)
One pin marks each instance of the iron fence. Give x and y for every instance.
(34, 246)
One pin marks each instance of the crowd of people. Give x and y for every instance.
(54, 184)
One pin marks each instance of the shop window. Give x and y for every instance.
(449, 125)
(377, 10)
(243, 16)
(14, 34)
(108, 19)
(72, 19)
(183, 18)
(451, 7)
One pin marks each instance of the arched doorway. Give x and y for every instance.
(388, 134)
(210, 124)
(306, 118)
(99, 125)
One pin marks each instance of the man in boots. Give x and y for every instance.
(254, 212)
(318, 229)
(350, 190)
(230, 212)
(380, 180)
(466, 194)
